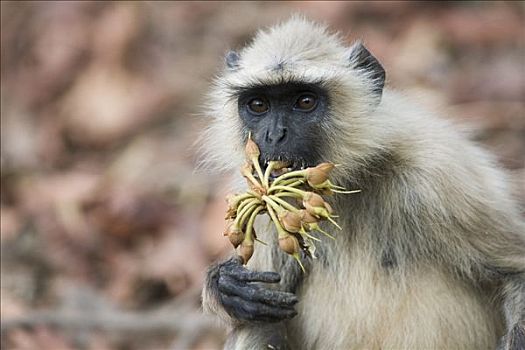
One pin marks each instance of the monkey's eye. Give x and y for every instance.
(258, 106)
(306, 103)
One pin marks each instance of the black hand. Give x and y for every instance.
(245, 299)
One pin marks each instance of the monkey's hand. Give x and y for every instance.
(234, 294)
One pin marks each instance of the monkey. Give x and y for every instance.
(432, 251)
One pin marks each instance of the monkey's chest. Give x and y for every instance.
(359, 307)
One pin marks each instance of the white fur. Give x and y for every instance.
(461, 216)
(316, 56)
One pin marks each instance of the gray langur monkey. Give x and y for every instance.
(432, 252)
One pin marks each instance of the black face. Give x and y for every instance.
(285, 121)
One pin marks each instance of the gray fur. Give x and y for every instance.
(232, 60)
(432, 255)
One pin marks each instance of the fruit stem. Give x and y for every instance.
(284, 203)
(287, 194)
(296, 173)
(291, 183)
(346, 192)
(240, 198)
(333, 222)
(319, 229)
(246, 210)
(249, 225)
(257, 166)
(272, 204)
(267, 173)
(280, 230)
(244, 204)
(298, 258)
(304, 233)
(252, 179)
(290, 189)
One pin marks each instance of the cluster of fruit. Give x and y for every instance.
(275, 191)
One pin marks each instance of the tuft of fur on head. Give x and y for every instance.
(296, 50)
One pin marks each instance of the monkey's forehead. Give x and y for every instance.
(297, 50)
(294, 41)
(292, 52)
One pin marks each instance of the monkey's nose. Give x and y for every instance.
(276, 136)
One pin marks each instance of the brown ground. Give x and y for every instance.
(106, 229)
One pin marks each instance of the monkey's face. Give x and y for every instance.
(304, 96)
(285, 120)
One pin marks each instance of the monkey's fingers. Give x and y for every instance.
(254, 293)
(254, 311)
(241, 273)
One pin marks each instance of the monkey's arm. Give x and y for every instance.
(514, 310)
(503, 252)
(496, 247)
(482, 231)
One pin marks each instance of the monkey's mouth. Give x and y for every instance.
(285, 164)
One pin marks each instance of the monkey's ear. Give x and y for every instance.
(232, 60)
(361, 59)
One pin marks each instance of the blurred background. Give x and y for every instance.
(106, 227)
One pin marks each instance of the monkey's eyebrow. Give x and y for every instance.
(254, 84)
